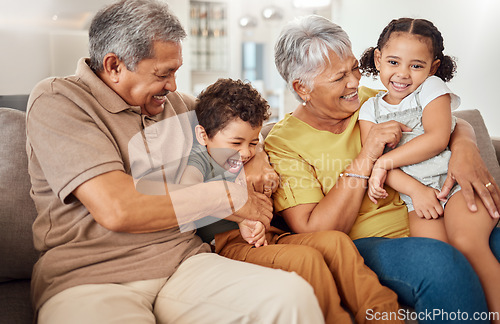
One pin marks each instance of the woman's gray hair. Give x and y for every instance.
(302, 49)
(129, 28)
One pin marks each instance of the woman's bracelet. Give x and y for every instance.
(354, 175)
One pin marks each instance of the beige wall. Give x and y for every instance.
(471, 31)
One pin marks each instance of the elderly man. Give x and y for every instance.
(106, 147)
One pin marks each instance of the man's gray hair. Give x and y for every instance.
(302, 49)
(129, 28)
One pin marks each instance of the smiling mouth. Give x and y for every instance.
(161, 97)
(234, 165)
(350, 96)
(399, 86)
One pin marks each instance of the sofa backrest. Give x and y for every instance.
(483, 139)
(17, 210)
(18, 102)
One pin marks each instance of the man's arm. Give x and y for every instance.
(114, 202)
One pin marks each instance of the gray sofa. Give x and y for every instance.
(17, 210)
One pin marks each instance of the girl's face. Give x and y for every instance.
(335, 92)
(232, 146)
(404, 63)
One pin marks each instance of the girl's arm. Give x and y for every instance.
(424, 198)
(436, 120)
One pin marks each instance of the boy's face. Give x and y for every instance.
(232, 146)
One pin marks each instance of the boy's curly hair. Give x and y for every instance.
(226, 100)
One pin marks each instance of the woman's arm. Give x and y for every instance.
(436, 120)
(340, 206)
(468, 169)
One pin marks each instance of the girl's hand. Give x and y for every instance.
(376, 185)
(426, 203)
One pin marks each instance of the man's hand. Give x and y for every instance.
(251, 205)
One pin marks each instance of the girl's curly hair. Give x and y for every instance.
(226, 100)
(421, 27)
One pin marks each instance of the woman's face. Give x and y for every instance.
(335, 93)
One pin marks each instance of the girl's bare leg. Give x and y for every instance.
(470, 232)
(431, 228)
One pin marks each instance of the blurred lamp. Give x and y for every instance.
(248, 22)
(272, 13)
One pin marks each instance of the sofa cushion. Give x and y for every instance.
(15, 302)
(17, 210)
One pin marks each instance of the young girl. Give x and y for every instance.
(410, 61)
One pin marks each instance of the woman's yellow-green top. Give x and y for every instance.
(309, 162)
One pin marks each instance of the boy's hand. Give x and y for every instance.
(426, 203)
(253, 232)
(261, 175)
(376, 185)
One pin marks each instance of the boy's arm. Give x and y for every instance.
(252, 234)
(192, 175)
(436, 120)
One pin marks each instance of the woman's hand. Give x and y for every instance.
(468, 169)
(380, 135)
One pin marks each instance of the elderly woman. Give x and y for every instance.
(317, 152)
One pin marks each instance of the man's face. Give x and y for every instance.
(152, 79)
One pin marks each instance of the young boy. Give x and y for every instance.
(230, 115)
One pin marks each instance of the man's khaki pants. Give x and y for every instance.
(206, 288)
